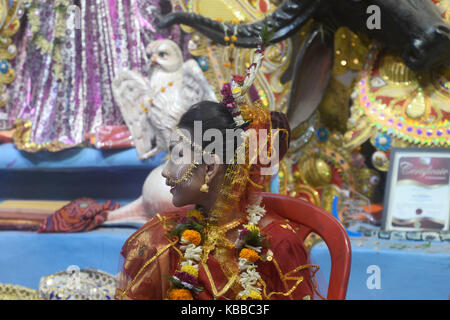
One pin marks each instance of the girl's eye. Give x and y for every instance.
(162, 54)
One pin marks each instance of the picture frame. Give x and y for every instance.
(417, 194)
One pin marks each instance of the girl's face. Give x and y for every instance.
(184, 178)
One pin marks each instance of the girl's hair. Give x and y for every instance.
(213, 115)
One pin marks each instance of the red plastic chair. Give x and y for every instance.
(315, 219)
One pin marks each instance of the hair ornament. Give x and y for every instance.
(234, 92)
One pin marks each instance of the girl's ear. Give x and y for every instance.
(312, 73)
(213, 166)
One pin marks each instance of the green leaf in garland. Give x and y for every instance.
(266, 33)
(187, 224)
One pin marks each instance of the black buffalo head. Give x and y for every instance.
(412, 27)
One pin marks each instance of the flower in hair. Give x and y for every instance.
(237, 91)
(239, 79)
(226, 91)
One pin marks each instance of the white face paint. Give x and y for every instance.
(182, 175)
(180, 167)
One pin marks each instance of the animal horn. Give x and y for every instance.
(284, 21)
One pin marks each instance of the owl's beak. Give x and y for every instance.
(153, 60)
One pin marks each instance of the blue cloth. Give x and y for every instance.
(67, 175)
(74, 159)
(28, 256)
(74, 173)
(275, 184)
(409, 270)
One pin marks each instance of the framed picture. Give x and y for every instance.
(417, 195)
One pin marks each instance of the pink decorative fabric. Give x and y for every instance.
(111, 137)
(112, 37)
(80, 215)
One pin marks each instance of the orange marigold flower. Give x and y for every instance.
(180, 294)
(249, 254)
(192, 236)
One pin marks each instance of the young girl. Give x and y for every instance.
(229, 245)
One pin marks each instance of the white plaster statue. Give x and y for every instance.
(151, 109)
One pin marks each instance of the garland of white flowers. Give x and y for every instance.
(249, 245)
(249, 254)
(185, 279)
(249, 242)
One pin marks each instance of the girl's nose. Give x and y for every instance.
(164, 172)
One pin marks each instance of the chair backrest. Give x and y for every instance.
(317, 220)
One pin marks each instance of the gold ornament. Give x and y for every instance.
(335, 108)
(10, 13)
(205, 188)
(393, 69)
(316, 172)
(226, 61)
(350, 51)
(185, 177)
(412, 108)
(367, 179)
(14, 292)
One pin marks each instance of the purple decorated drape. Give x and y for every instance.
(113, 35)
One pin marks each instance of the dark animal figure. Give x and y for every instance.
(413, 28)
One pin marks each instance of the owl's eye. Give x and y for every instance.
(162, 54)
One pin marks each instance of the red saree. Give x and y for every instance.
(150, 256)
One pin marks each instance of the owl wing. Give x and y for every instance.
(164, 115)
(131, 92)
(195, 87)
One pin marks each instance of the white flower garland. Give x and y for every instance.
(192, 253)
(249, 276)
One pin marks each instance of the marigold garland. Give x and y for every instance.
(180, 294)
(186, 280)
(192, 236)
(249, 245)
(249, 254)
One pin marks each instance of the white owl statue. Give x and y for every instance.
(151, 109)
